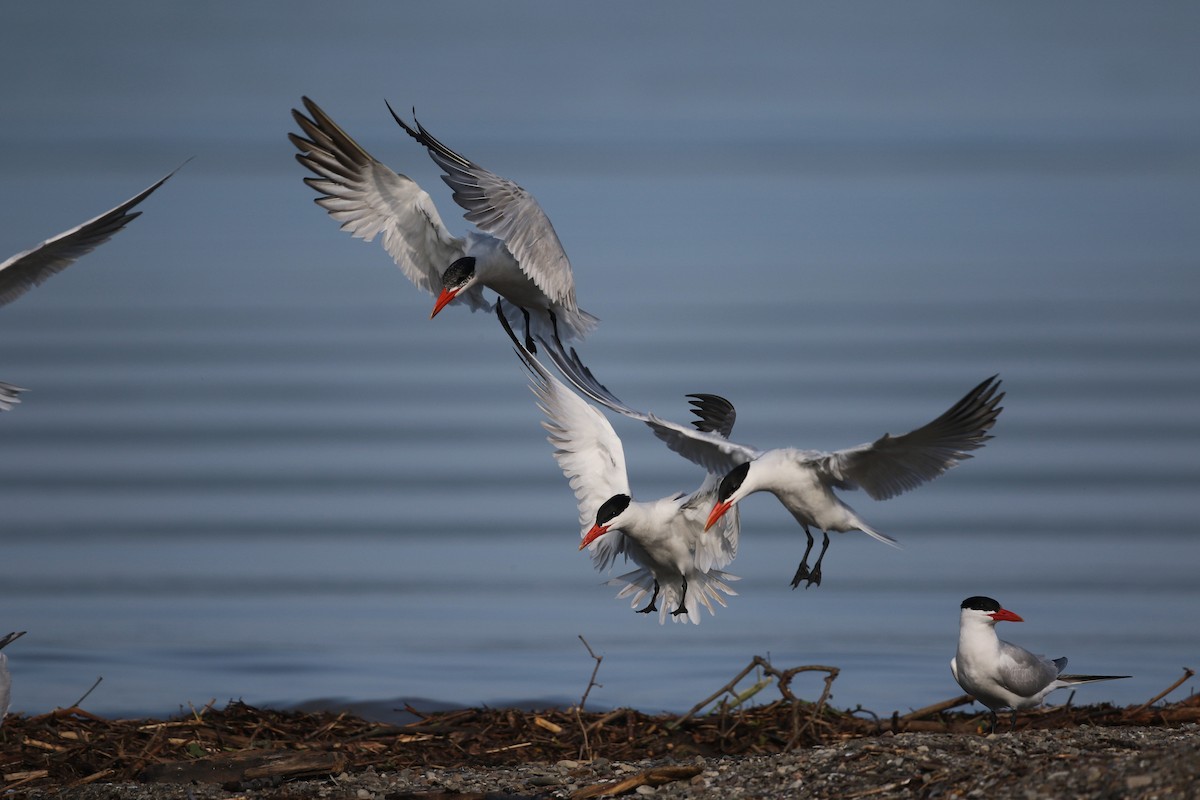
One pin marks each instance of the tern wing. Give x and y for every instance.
(9, 397)
(706, 447)
(31, 268)
(500, 207)
(1024, 673)
(587, 449)
(892, 465)
(369, 199)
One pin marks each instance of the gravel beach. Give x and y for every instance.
(1084, 762)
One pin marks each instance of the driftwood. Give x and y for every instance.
(242, 745)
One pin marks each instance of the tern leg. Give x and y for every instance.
(992, 711)
(554, 326)
(651, 606)
(529, 345)
(802, 570)
(682, 598)
(815, 577)
(1013, 725)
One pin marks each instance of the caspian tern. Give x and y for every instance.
(5, 677)
(1000, 674)
(33, 267)
(516, 252)
(678, 557)
(804, 480)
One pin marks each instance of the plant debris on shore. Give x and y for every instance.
(241, 747)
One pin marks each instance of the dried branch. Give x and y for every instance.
(79, 702)
(585, 749)
(595, 669)
(1187, 674)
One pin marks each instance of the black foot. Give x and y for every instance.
(802, 570)
(814, 577)
(651, 606)
(682, 601)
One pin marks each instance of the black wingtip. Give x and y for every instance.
(715, 413)
(400, 121)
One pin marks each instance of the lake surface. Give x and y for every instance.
(249, 466)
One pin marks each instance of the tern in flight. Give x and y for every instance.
(33, 267)
(5, 677)
(515, 252)
(678, 558)
(1000, 674)
(804, 480)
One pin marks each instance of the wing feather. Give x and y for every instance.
(370, 200)
(503, 209)
(32, 267)
(1025, 674)
(587, 449)
(892, 465)
(707, 448)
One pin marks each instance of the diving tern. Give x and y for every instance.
(515, 253)
(1000, 674)
(5, 677)
(804, 480)
(678, 558)
(33, 267)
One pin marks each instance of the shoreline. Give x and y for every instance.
(789, 747)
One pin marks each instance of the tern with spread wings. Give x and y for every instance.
(804, 480)
(679, 559)
(515, 252)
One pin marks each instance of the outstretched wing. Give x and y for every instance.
(894, 464)
(587, 449)
(369, 199)
(31, 268)
(500, 207)
(708, 448)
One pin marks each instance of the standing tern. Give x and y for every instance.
(5, 677)
(679, 558)
(515, 253)
(804, 480)
(1000, 674)
(33, 267)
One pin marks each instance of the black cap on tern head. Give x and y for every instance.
(732, 481)
(611, 508)
(981, 603)
(459, 272)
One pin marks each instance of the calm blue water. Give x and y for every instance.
(250, 467)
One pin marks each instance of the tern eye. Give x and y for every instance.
(732, 482)
(612, 508)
